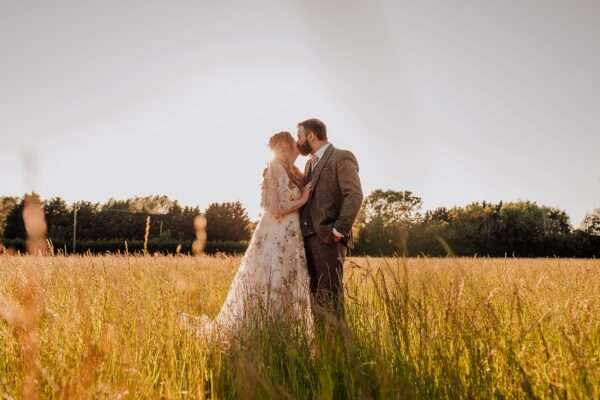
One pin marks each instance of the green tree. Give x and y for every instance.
(556, 221)
(591, 223)
(392, 207)
(14, 226)
(7, 204)
(88, 225)
(227, 222)
(473, 228)
(384, 219)
(151, 204)
(58, 219)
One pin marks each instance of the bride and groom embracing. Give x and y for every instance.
(294, 261)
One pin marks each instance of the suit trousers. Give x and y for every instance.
(326, 270)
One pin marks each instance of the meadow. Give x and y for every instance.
(417, 328)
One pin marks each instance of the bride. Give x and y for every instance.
(272, 279)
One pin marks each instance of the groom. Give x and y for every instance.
(327, 217)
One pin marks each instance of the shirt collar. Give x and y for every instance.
(321, 151)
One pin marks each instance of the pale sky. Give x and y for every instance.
(457, 101)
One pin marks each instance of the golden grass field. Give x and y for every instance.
(453, 328)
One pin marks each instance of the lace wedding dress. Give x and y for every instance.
(272, 279)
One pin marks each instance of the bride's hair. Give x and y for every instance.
(295, 175)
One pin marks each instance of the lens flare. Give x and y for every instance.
(200, 223)
(35, 225)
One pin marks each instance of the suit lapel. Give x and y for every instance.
(320, 165)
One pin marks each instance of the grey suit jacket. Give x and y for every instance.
(336, 196)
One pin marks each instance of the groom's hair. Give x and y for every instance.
(315, 126)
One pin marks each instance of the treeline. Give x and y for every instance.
(389, 223)
(106, 227)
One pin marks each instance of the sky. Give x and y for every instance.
(456, 101)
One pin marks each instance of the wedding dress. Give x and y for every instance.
(272, 279)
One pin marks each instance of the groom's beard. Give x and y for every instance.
(304, 148)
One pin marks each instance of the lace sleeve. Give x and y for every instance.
(275, 193)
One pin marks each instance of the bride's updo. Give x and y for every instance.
(283, 146)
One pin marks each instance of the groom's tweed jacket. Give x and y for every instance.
(336, 196)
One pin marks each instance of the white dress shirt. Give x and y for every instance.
(319, 153)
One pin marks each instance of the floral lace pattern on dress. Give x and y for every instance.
(273, 273)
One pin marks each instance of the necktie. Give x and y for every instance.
(313, 161)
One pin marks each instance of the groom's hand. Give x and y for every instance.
(337, 237)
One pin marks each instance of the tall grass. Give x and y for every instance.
(107, 327)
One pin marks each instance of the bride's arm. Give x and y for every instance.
(275, 193)
(294, 205)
